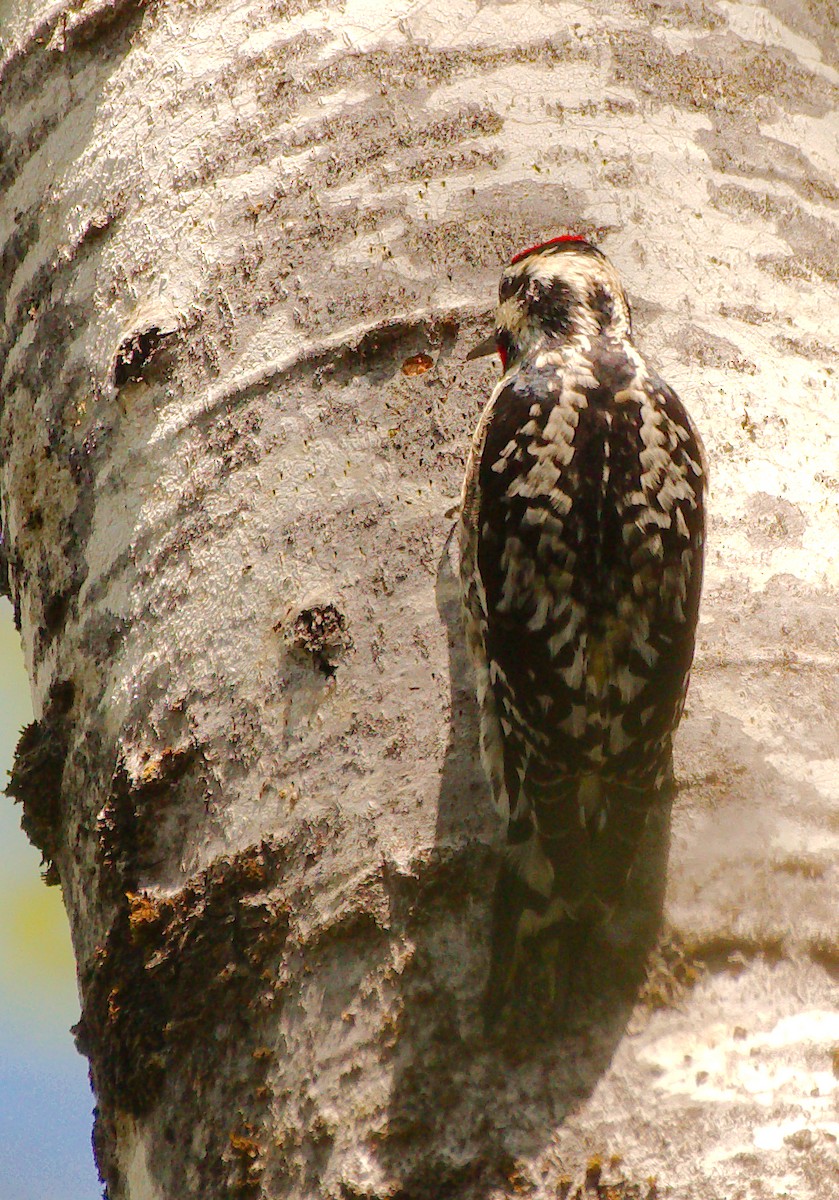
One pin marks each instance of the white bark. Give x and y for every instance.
(224, 232)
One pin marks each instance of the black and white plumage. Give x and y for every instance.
(582, 532)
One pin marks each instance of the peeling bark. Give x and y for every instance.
(243, 252)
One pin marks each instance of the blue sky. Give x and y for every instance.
(45, 1100)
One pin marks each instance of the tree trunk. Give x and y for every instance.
(244, 252)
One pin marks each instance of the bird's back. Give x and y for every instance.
(586, 550)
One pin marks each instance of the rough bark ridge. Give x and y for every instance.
(244, 248)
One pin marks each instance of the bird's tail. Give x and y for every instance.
(528, 942)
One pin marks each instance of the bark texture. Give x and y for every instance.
(243, 251)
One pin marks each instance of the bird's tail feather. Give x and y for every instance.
(520, 918)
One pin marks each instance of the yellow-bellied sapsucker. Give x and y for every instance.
(582, 532)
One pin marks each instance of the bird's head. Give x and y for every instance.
(552, 293)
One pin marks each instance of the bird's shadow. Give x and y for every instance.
(468, 1110)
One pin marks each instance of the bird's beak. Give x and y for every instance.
(487, 346)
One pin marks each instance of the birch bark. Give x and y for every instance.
(245, 247)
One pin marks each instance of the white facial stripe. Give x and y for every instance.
(509, 315)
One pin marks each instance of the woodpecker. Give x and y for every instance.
(582, 532)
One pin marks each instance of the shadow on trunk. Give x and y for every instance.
(467, 1109)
